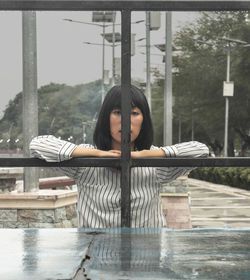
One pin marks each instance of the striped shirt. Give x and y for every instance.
(99, 193)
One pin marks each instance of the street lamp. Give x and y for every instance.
(100, 17)
(109, 37)
(105, 72)
(229, 86)
(113, 38)
(168, 99)
(116, 60)
(167, 48)
(103, 17)
(153, 22)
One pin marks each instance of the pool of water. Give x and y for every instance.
(124, 254)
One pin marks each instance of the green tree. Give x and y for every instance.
(62, 109)
(198, 87)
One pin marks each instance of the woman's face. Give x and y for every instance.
(115, 126)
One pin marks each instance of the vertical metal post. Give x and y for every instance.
(227, 104)
(148, 82)
(179, 131)
(192, 126)
(103, 60)
(30, 105)
(84, 132)
(113, 51)
(125, 109)
(167, 129)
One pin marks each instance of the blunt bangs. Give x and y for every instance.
(102, 137)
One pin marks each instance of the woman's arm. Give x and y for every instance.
(53, 149)
(192, 149)
(186, 149)
(148, 154)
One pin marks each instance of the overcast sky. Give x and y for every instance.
(61, 55)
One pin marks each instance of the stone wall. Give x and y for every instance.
(176, 204)
(180, 185)
(41, 209)
(57, 208)
(63, 217)
(176, 210)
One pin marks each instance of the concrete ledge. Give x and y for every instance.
(179, 185)
(43, 199)
(15, 172)
(174, 194)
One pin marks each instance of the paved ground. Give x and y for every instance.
(215, 205)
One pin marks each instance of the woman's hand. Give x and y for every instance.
(110, 153)
(148, 154)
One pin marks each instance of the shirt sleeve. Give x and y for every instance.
(52, 149)
(192, 149)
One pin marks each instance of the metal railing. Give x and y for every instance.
(125, 7)
(143, 162)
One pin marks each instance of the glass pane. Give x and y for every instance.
(201, 44)
(72, 61)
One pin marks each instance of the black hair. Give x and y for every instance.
(102, 136)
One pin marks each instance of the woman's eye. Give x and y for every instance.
(134, 113)
(117, 112)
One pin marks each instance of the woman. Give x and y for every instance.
(99, 194)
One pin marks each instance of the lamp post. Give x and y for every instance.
(227, 102)
(113, 52)
(103, 17)
(229, 86)
(168, 100)
(152, 23)
(110, 37)
(148, 80)
(96, 18)
(113, 38)
(105, 72)
(116, 60)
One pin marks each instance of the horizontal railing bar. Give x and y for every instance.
(193, 162)
(138, 5)
(75, 162)
(115, 163)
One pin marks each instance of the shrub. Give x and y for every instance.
(238, 177)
